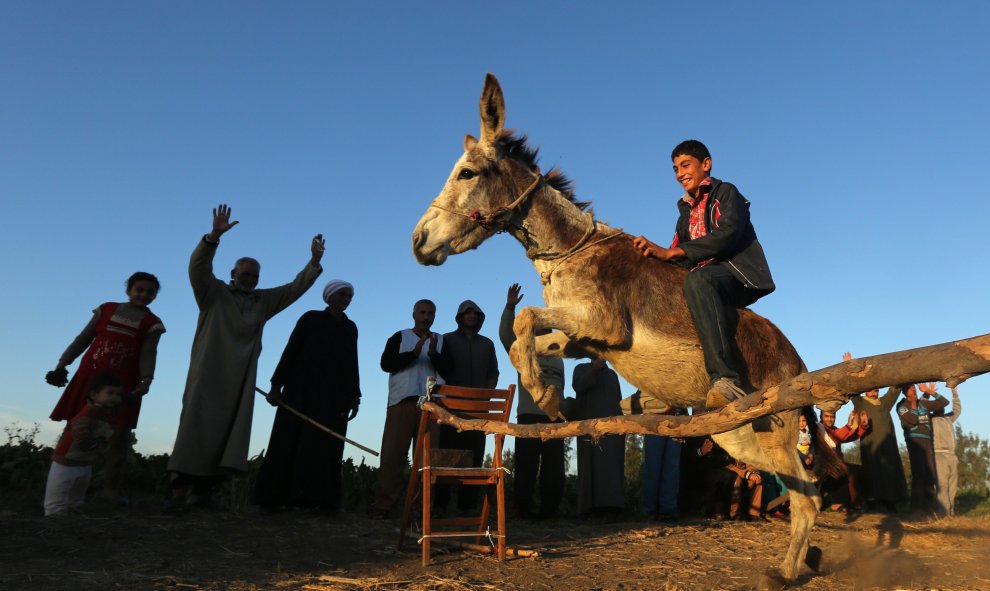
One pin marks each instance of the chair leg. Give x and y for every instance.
(500, 540)
(411, 491)
(427, 526)
(486, 509)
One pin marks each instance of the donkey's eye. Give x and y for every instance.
(466, 174)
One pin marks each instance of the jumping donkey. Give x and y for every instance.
(604, 299)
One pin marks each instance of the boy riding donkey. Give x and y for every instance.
(716, 240)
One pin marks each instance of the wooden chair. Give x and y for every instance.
(472, 403)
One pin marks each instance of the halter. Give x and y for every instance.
(487, 221)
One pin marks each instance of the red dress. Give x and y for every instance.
(116, 347)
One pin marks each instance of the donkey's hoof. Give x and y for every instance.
(813, 558)
(773, 580)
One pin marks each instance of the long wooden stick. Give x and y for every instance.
(319, 426)
(951, 363)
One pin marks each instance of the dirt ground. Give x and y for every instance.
(141, 549)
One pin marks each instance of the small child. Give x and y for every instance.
(84, 439)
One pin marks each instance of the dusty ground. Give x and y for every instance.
(143, 550)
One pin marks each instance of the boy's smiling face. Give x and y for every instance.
(690, 172)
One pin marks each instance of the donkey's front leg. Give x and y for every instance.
(574, 324)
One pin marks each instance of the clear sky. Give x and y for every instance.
(856, 130)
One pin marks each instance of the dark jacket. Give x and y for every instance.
(469, 358)
(731, 239)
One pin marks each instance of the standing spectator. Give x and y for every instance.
(85, 438)
(883, 474)
(218, 402)
(916, 419)
(469, 361)
(122, 338)
(661, 480)
(946, 462)
(600, 464)
(317, 376)
(410, 357)
(843, 492)
(534, 456)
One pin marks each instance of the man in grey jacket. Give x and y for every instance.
(468, 360)
(946, 462)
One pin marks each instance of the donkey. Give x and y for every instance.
(605, 300)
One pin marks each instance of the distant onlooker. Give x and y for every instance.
(946, 462)
(317, 376)
(533, 456)
(747, 489)
(218, 401)
(600, 463)
(410, 357)
(884, 484)
(469, 360)
(842, 492)
(122, 338)
(706, 482)
(85, 438)
(916, 419)
(661, 479)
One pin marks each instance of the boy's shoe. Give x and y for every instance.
(640, 403)
(722, 392)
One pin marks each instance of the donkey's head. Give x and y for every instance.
(493, 177)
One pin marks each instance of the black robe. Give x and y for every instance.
(319, 374)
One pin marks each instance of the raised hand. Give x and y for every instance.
(928, 388)
(221, 221)
(316, 248)
(513, 296)
(847, 356)
(864, 419)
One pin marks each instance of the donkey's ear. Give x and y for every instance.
(470, 142)
(492, 109)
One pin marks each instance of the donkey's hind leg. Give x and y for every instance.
(780, 447)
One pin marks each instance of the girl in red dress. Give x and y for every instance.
(122, 338)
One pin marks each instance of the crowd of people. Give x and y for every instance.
(317, 377)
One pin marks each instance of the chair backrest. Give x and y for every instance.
(476, 403)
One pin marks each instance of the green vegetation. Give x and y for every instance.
(24, 468)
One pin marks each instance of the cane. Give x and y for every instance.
(319, 426)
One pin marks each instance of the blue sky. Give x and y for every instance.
(856, 130)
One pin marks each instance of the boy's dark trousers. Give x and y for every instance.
(714, 296)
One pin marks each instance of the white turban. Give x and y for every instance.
(333, 287)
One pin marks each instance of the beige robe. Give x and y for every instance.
(218, 402)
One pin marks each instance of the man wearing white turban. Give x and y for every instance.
(317, 376)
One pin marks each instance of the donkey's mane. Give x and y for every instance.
(510, 145)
